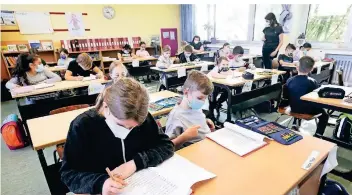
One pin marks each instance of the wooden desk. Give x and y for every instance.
(184, 65)
(330, 103)
(42, 137)
(59, 86)
(319, 63)
(274, 169)
(239, 81)
(233, 84)
(151, 58)
(57, 68)
(250, 56)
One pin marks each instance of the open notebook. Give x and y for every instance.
(175, 176)
(237, 139)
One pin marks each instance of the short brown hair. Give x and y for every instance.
(188, 48)
(117, 63)
(220, 59)
(166, 48)
(198, 81)
(126, 99)
(306, 64)
(85, 60)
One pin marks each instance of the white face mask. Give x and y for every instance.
(196, 42)
(118, 130)
(166, 55)
(267, 24)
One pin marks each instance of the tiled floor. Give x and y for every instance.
(21, 173)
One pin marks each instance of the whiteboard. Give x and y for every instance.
(34, 22)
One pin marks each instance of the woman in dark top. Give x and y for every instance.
(197, 45)
(273, 39)
(83, 66)
(118, 133)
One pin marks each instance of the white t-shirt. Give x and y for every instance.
(181, 119)
(142, 54)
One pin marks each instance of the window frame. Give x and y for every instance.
(325, 44)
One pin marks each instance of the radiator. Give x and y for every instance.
(343, 62)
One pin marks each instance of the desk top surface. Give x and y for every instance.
(314, 97)
(59, 124)
(62, 85)
(184, 65)
(151, 58)
(239, 81)
(273, 169)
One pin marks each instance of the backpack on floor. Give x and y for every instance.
(12, 131)
(343, 129)
(334, 188)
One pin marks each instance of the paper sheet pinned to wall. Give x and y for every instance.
(75, 24)
(26, 26)
(172, 35)
(166, 35)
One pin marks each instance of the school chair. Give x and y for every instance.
(340, 77)
(275, 64)
(60, 147)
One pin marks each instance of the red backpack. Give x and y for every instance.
(12, 131)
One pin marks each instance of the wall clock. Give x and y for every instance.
(109, 12)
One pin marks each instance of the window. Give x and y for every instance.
(201, 10)
(261, 10)
(231, 22)
(328, 24)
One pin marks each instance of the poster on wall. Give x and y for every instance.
(75, 24)
(8, 18)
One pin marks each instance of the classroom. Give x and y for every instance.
(176, 98)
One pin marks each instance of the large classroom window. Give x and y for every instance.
(245, 23)
(327, 24)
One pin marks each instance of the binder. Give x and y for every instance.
(62, 44)
(112, 43)
(108, 44)
(117, 45)
(69, 46)
(96, 42)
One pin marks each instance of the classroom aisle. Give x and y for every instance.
(21, 172)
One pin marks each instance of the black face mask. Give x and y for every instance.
(290, 54)
(224, 69)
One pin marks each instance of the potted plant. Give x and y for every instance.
(210, 29)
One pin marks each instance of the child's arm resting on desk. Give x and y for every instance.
(160, 147)
(12, 83)
(72, 169)
(183, 137)
(52, 77)
(99, 73)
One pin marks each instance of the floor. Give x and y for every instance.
(21, 173)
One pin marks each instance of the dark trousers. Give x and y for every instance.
(323, 121)
(267, 59)
(214, 102)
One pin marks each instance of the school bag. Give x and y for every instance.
(343, 129)
(12, 131)
(334, 188)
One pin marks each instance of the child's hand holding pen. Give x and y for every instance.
(113, 185)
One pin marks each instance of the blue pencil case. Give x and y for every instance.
(277, 132)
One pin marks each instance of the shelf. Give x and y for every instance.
(11, 66)
(109, 60)
(15, 52)
(93, 51)
(96, 60)
(39, 51)
(51, 62)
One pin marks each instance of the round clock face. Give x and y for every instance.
(108, 12)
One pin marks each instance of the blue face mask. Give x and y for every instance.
(196, 104)
(63, 57)
(40, 68)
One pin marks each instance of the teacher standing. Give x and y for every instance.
(273, 39)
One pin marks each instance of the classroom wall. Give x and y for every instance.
(129, 20)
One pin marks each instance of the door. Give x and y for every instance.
(169, 37)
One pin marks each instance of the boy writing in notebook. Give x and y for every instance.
(300, 85)
(187, 123)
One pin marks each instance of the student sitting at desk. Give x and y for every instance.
(186, 123)
(182, 48)
(126, 53)
(116, 71)
(307, 51)
(83, 66)
(197, 45)
(300, 85)
(286, 59)
(142, 52)
(29, 70)
(64, 59)
(187, 55)
(225, 51)
(118, 133)
(236, 60)
(220, 71)
(164, 62)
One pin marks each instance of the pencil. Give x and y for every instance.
(119, 180)
(109, 173)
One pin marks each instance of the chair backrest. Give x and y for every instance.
(252, 98)
(340, 77)
(68, 108)
(275, 63)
